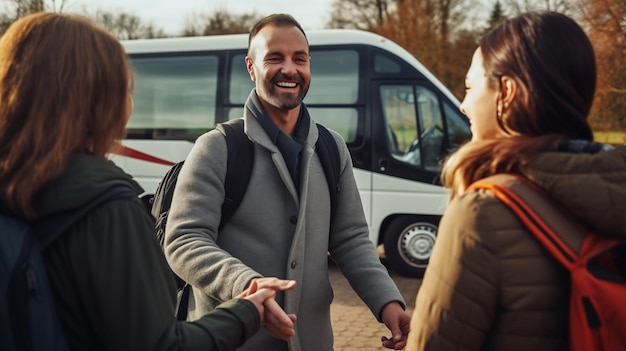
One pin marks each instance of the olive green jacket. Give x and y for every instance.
(112, 285)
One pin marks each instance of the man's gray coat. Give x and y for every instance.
(277, 231)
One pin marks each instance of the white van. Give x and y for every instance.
(397, 119)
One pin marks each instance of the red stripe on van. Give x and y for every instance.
(132, 153)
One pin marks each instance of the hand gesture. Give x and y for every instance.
(258, 298)
(398, 322)
(278, 323)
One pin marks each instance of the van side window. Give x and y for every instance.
(334, 91)
(431, 128)
(345, 121)
(415, 130)
(174, 96)
(240, 83)
(458, 133)
(384, 64)
(334, 77)
(400, 117)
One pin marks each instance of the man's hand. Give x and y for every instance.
(398, 323)
(268, 283)
(278, 323)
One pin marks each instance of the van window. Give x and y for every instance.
(384, 64)
(458, 133)
(240, 83)
(400, 116)
(345, 121)
(431, 128)
(334, 77)
(174, 97)
(414, 122)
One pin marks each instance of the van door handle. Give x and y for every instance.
(382, 165)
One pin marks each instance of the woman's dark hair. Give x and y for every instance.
(552, 62)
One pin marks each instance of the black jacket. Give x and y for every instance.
(113, 287)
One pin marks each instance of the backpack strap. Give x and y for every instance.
(581, 252)
(50, 228)
(328, 152)
(239, 164)
(551, 224)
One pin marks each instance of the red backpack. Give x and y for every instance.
(597, 263)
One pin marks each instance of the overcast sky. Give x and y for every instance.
(170, 15)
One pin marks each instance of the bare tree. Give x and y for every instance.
(219, 22)
(436, 32)
(517, 7)
(606, 23)
(360, 14)
(121, 24)
(59, 8)
(126, 26)
(15, 9)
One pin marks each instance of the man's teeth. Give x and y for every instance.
(286, 84)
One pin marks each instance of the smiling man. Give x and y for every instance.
(284, 228)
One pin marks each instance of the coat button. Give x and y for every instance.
(293, 264)
(293, 219)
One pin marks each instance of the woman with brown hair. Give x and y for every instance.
(490, 284)
(65, 98)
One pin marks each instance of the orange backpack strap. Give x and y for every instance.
(560, 233)
(597, 263)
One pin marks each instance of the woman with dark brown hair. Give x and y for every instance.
(65, 98)
(490, 285)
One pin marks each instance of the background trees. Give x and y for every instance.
(442, 34)
(219, 22)
(14, 9)
(121, 24)
(437, 33)
(126, 25)
(606, 24)
(359, 14)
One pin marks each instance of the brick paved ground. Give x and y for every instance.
(354, 326)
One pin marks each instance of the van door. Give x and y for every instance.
(416, 129)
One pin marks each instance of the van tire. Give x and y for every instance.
(408, 243)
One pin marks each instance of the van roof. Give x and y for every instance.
(240, 41)
(320, 37)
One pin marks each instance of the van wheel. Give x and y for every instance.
(408, 243)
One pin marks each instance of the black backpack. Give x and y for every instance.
(238, 170)
(28, 318)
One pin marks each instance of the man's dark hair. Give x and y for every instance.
(278, 20)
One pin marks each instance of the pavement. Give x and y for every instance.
(355, 327)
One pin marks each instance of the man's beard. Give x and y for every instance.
(287, 101)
